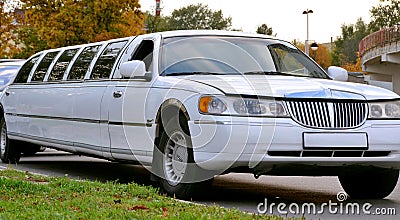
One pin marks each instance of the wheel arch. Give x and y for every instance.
(169, 108)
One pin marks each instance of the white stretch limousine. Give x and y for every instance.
(194, 104)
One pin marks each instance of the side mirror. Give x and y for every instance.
(133, 69)
(338, 73)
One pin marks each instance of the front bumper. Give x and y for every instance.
(264, 144)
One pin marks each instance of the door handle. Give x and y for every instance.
(7, 93)
(117, 94)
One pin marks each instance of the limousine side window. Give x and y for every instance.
(23, 73)
(41, 70)
(144, 52)
(103, 67)
(82, 63)
(61, 65)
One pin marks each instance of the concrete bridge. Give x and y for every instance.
(380, 57)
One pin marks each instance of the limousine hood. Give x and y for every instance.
(291, 87)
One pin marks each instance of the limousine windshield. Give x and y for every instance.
(234, 55)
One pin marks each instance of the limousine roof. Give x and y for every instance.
(166, 34)
(84, 45)
(211, 32)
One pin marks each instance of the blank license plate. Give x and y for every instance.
(339, 141)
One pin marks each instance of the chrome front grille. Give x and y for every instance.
(325, 114)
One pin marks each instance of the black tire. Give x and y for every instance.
(373, 184)
(9, 150)
(180, 177)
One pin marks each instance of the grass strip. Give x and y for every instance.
(27, 196)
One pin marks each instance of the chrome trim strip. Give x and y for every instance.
(59, 118)
(94, 121)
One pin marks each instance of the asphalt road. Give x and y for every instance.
(241, 191)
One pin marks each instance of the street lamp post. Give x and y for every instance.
(306, 12)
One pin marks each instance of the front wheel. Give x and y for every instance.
(9, 151)
(182, 178)
(373, 184)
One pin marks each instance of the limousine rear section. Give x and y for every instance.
(195, 104)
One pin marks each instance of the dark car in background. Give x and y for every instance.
(8, 70)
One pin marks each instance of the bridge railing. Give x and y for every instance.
(379, 39)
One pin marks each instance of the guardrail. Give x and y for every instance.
(379, 39)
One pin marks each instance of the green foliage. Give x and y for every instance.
(346, 46)
(345, 52)
(264, 29)
(27, 196)
(386, 14)
(155, 24)
(193, 17)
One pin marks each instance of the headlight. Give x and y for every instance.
(211, 105)
(241, 106)
(384, 110)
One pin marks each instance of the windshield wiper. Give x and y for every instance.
(265, 73)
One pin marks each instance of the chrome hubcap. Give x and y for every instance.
(175, 158)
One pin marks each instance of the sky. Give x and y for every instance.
(284, 16)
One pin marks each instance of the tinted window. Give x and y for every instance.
(41, 70)
(23, 73)
(82, 63)
(62, 63)
(102, 68)
(145, 53)
(290, 60)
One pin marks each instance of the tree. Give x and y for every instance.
(264, 29)
(353, 67)
(194, 17)
(346, 46)
(52, 24)
(155, 23)
(9, 21)
(386, 14)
